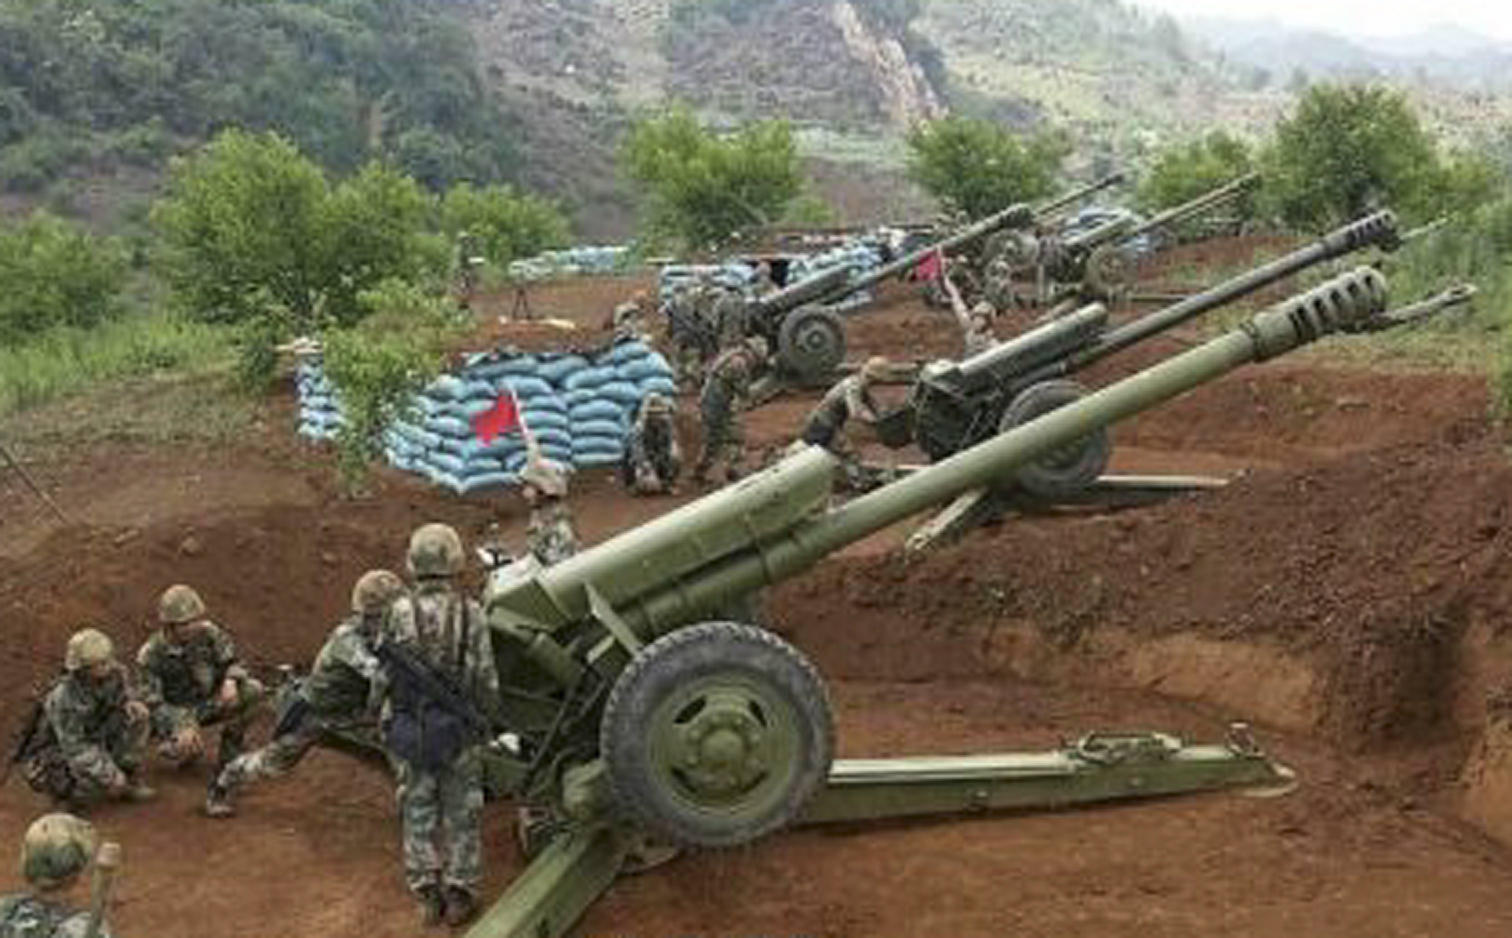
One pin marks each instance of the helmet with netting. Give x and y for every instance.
(87, 647)
(56, 848)
(375, 590)
(435, 550)
(179, 604)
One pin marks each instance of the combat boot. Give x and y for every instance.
(218, 801)
(432, 907)
(460, 906)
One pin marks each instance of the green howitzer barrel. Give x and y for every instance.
(1201, 203)
(618, 672)
(810, 340)
(954, 405)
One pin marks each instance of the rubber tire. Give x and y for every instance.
(1057, 476)
(796, 352)
(666, 665)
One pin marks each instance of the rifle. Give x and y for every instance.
(408, 669)
(24, 739)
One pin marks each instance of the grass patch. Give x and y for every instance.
(64, 361)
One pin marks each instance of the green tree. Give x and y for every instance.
(55, 274)
(979, 167)
(1347, 149)
(249, 223)
(505, 224)
(1183, 172)
(701, 187)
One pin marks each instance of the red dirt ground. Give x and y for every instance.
(1365, 542)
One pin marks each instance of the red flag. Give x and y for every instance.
(503, 417)
(930, 267)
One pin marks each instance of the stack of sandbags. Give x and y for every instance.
(319, 405)
(731, 275)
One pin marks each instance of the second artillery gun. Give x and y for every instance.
(643, 717)
(809, 337)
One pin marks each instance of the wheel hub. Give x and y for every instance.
(723, 751)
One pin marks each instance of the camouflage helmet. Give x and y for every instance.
(435, 550)
(874, 368)
(656, 404)
(87, 647)
(56, 849)
(179, 604)
(983, 309)
(758, 347)
(545, 477)
(374, 591)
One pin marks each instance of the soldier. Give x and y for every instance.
(725, 394)
(765, 284)
(440, 771)
(54, 851)
(997, 287)
(729, 315)
(339, 696)
(653, 459)
(629, 318)
(191, 678)
(92, 729)
(689, 334)
(467, 270)
(849, 397)
(550, 535)
(976, 323)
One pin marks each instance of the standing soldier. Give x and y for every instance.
(765, 284)
(550, 535)
(653, 459)
(338, 697)
(689, 334)
(726, 392)
(630, 317)
(191, 678)
(849, 397)
(90, 730)
(54, 851)
(468, 263)
(440, 770)
(729, 315)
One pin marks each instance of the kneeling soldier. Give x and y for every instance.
(88, 740)
(55, 850)
(336, 697)
(653, 459)
(191, 678)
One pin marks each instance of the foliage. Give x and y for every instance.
(346, 80)
(66, 359)
(1183, 172)
(1348, 149)
(505, 225)
(250, 222)
(809, 210)
(381, 363)
(703, 188)
(977, 167)
(55, 274)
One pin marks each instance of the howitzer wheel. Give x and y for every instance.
(1069, 469)
(716, 734)
(811, 342)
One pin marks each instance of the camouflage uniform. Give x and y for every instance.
(549, 534)
(998, 288)
(726, 392)
(181, 682)
(54, 851)
(687, 330)
(849, 397)
(449, 634)
(653, 460)
(88, 743)
(729, 317)
(23, 915)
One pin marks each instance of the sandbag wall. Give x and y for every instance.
(579, 406)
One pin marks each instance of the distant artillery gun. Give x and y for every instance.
(641, 719)
(809, 337)
(1093, 265)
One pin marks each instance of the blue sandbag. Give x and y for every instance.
(557, 370)
(515, 461)
(473, 408)
(462, 449)
(488, 480)
(421, 437)
(493, 370)
(598, 444)
(591, 460)
(478, 389)
(552, 436)
(449, 426)
(446, 388)
(579, 396)
(663, 386)
(525, 387)
(622, 392)
(612, 429)
(652, 366)
(627, 350)
(481, 465)
(501, 447)
(590, 378)
(543, 419)
(560, 453)
(446, 462)
(597, 410)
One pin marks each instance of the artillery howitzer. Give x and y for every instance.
(644, 715)
(1094, 264)
(809, 339)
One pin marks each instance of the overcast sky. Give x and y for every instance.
(1372, 17)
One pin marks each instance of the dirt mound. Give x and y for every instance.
(1372, 566)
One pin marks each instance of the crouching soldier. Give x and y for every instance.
(849, 397)
(90, 732)
(725, 396)
(338, 697)
(550, 534)
(653, 459)
(191, 679)
(55, 850)
(439, 682)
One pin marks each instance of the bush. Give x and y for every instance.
(56, 274)
(1182, 173)
(978, 167)
(505, 225)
